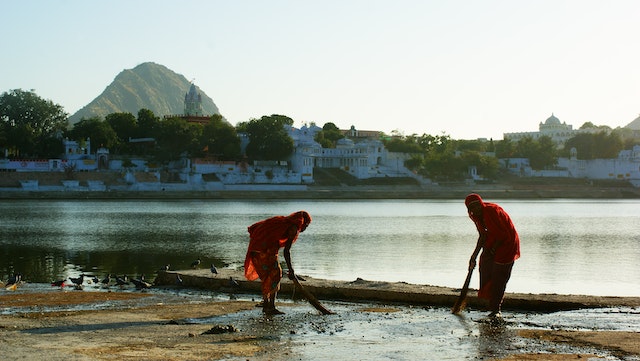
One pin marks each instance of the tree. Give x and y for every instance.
(505, 149)
(220, 138)
(148, 124)
(268, 140)
(329, 135)
(32, 126)
(595, 146)
(125, 126)
(98, 131)
(542, 153)
(175, 137)
(408, 144)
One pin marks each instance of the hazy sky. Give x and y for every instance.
(470, 69)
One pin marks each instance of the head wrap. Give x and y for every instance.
(300, 216)
(472, 198)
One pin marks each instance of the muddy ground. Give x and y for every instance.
(80, 325)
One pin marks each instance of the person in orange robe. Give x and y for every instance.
(500, 245)
(265, 240)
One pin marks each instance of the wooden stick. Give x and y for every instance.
(461, 302)
(311, 298)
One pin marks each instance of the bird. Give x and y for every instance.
(59, 283)
(12, 283)
(195, 263)
(214, 270)
(179, 280)
(233, 283)
(140, 283)
(77, 281)
(164, 268)
(106, 280)
(122, 281)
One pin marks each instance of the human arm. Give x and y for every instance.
(292, 234)
(472, 261)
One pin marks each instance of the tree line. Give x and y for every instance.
(33, 128)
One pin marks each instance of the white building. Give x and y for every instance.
(559, 132)
(366, 158)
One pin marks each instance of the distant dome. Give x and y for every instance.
(552, 120)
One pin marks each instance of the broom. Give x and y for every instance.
(311, 298)
(462, 299)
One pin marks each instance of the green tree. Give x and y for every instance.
(542, 153)
(505, 149)
(33, 126)
(408, 144)
(329, 135)
(602, 145)
(220, 138)
(148, 124)
(176, 137)
(98, 131)
(124, 124)
(268, 140)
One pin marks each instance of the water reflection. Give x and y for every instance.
(568, 246)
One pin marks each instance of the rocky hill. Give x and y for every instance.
(150, 86)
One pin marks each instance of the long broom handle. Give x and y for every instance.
(463, 293)
(311, 298)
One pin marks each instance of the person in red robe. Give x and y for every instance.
(265, 240)
(500, 245)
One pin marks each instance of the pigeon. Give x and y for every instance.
(214, 270)
(195, 263)
(77, 281)
(14, 280)
(59, 283)
(107, 280)
(122, 281)
(12, 283)
(140, 283)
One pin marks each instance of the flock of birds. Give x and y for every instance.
(109, 280)
(121, 281)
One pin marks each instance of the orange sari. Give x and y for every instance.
(265, 240)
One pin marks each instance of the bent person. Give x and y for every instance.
(265, 240)
(500, 245)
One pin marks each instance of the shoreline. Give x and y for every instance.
(337, 193)
(361, 290)
(136, 325)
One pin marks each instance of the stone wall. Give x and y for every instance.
(12, 179)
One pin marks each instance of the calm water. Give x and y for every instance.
(568, 246)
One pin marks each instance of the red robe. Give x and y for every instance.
(499, 228)
(265, 240)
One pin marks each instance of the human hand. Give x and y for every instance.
(291, 275)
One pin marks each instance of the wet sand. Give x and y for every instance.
(178, 323)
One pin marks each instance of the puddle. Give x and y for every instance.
(414, 333)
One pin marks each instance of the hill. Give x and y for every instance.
(150, 86)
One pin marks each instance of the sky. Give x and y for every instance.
(468, 69)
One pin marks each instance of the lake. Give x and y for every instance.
(568, 246)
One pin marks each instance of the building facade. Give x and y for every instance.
(559, 132)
